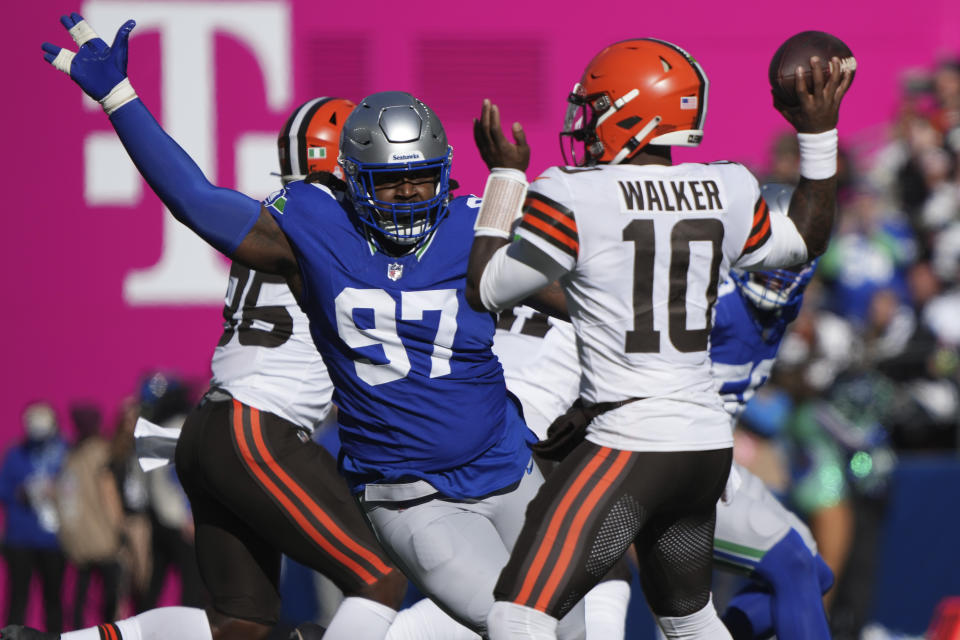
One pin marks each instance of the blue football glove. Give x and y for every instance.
(97, 68)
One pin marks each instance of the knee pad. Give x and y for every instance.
(432, 545)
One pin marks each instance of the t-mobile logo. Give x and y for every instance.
(188, 269)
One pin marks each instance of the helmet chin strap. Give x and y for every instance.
(643, 133)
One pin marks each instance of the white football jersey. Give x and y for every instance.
(539, 359)
(644, 248)
(266, 358)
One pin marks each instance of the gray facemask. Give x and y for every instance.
(391, 132)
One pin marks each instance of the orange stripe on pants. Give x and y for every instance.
(287, 504)
(579, 519)
(545, 547)
(310, 503)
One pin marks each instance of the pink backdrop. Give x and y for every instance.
(88, 312)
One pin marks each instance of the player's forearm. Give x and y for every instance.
(220, 216)
(814, 203)
(812, 209)
(483, 249)
(499, 212)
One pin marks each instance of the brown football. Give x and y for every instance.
(797, 51)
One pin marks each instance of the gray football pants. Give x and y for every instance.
(454, 550)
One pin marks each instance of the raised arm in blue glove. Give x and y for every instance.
(231, 222)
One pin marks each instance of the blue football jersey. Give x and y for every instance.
(741, 348)
(418, 390)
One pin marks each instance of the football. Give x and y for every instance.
(797, 51)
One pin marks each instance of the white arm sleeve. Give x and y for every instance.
(515, 272)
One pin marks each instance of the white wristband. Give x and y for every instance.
(818, 154)
(502, 203)
(118, 96)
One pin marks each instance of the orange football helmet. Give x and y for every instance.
(310, 139)
(635, 93)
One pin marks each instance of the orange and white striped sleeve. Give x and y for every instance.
(549, 222)
(771, 240)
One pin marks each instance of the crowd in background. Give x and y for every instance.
(869, 372)
(88, 505)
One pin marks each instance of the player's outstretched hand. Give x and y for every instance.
(96, 67)
(819, 109)
(494, 147)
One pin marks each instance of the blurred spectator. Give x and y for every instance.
(871, 250)
(819, 492)
(165, 400)
(131, 485)
(906, 350)
(840, 459)
(818, 348)
(853, 422)
(946, 90)
(924, 167)
(27, 490)
(918, 168)
(91, 515)
(862, 391)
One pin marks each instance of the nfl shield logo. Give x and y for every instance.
(394, 271)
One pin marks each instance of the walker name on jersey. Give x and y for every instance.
(675, 196)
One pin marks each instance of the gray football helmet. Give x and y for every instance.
(390, 132)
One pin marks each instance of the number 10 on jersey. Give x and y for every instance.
(643, 338)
